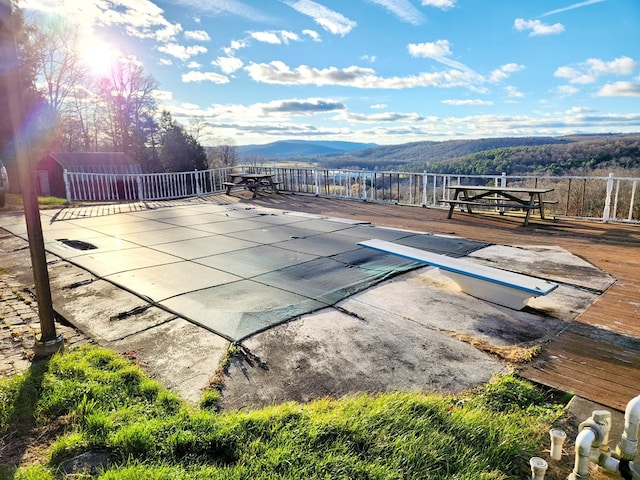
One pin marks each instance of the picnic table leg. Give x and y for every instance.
(541, 206)
(452, 204)
(529, 208)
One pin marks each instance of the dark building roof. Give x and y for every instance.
(96, 162)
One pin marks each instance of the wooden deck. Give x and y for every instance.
(596, 357)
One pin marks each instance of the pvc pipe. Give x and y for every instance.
(538, 468)
(558, 436)
(584, 442)
(613, 465)
(628, 446)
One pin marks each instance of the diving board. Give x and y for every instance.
(498, 286)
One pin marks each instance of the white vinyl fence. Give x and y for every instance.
(605, 198)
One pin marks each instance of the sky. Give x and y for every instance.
(375, 71)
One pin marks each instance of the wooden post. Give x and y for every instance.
(49, 342)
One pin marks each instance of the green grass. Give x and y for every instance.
(14, 202)
(101, 402)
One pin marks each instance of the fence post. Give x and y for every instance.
(315, 178)
(425, 178)
(140, 192)
(503, 180)
(66, 185)
(197, 178)
(607, 199)
(632, 199)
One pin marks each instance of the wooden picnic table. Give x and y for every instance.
(501, 198)
(252, 181)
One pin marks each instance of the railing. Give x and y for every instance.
(605, 198)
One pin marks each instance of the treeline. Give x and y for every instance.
(613, 153)
(514, 156)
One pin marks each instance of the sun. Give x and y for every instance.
(98, 56)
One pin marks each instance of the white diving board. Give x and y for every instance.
(498, 286)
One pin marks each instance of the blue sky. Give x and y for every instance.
(381, 71)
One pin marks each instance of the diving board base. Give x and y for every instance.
(491, 292)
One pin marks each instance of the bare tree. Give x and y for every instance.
(129, 105)
(195, 127)
(59, 64)
(225, 154)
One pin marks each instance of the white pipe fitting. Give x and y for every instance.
(628, 446)
(584, 443)
(538, 468)
(558, 436)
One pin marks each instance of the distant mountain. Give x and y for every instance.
(296, 148)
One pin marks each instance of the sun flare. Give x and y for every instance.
(98, 56)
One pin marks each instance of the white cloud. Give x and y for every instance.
(193, 65)
(228, 64)
(275, 38)
(279, 73)
(222, 7)
(266, 37)
(505, 71)
(442, 4)
(437, 49)
(618, 66)
(572, 7)
(369, 58)
(330, 20)
(195, 76)
(315, 36)
(379, 106)
(140, 18)
(620, 89)
(234, 45)
(307, 106)
(197, 35)
(537, 27)
(388, 117)
(566, 90)
(440, 50)
(289, 36)
(513, 92)
(182, 52)
(162, 95)
(403, 9)
(469, 102)
(593, 68)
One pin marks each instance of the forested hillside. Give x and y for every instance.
(515, 156)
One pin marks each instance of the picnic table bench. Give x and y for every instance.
(252, 181)
(509, 289)
(499, 198)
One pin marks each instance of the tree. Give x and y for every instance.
(178, 151)
(127, 96)
(225, 154)
(61, 70)
(32, 101)
(59, 64)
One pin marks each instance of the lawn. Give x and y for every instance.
(90, 399)
(14, 202)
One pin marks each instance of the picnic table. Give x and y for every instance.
(499, 198)
(252, 181)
